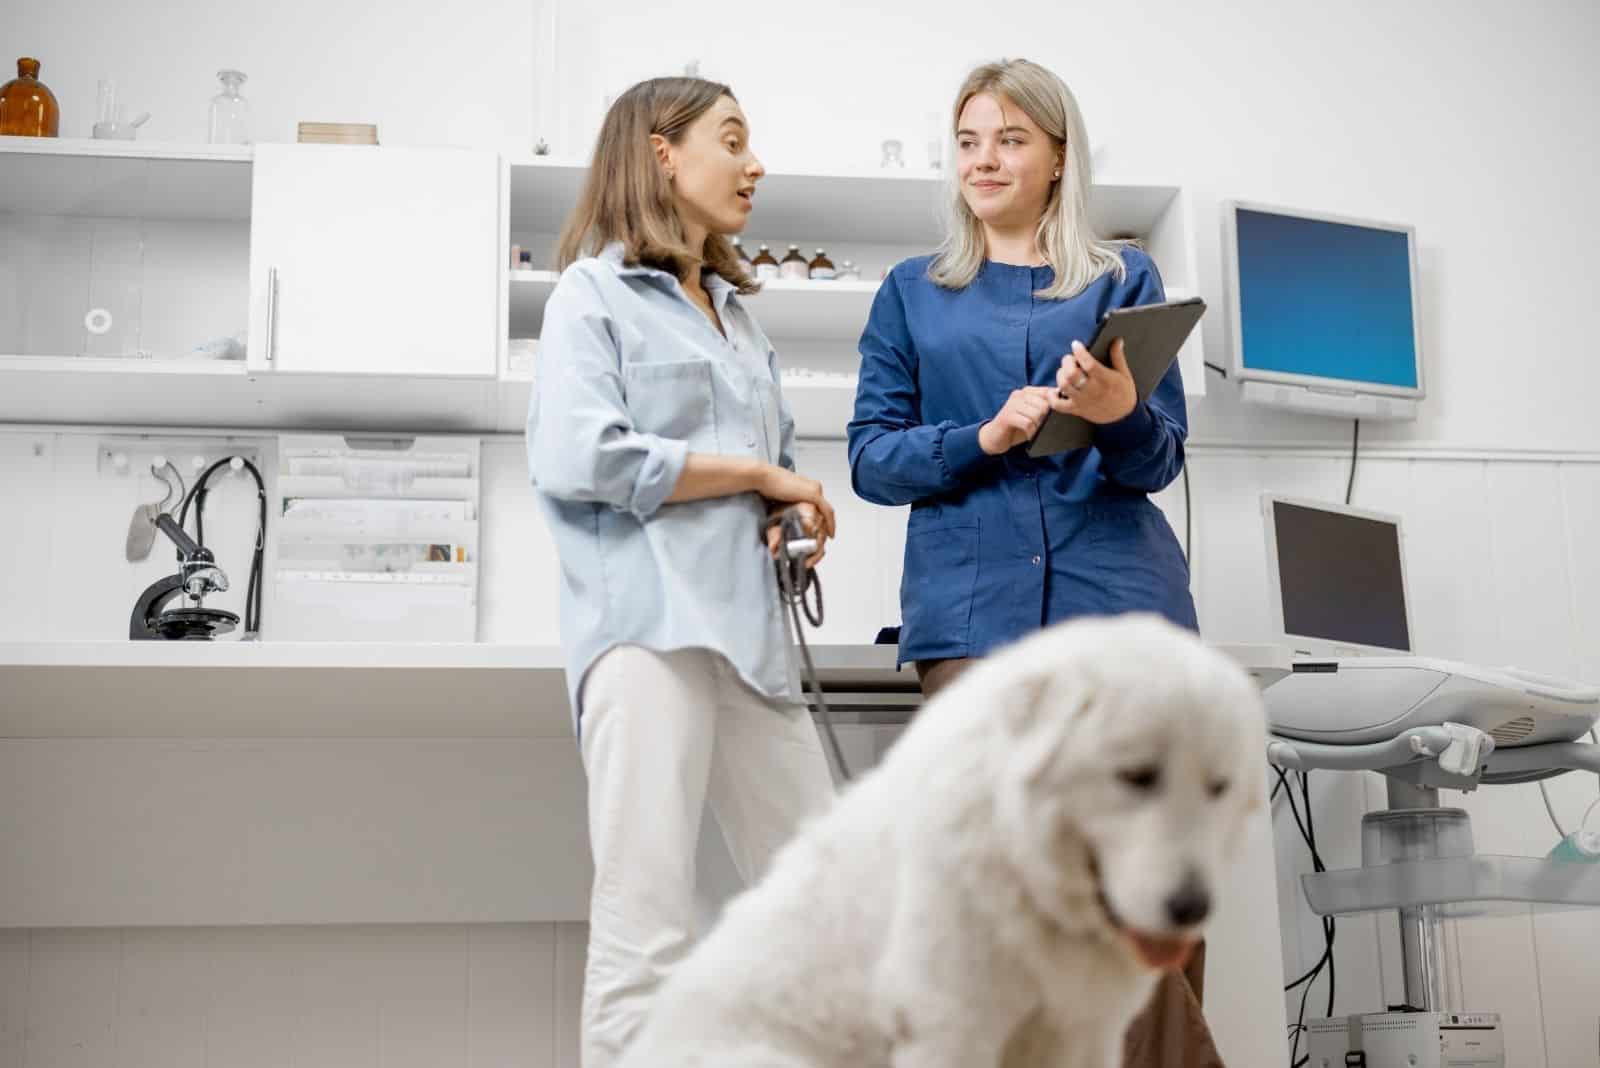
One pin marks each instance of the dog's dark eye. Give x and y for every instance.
(1142, 778)
(1217, 787)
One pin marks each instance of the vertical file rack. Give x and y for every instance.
(377, 539)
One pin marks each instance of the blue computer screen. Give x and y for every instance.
(1332, 300)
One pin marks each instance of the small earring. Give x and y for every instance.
(1058, 174)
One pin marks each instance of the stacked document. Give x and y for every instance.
(338, 133)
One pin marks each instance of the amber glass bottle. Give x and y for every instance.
(27, 107)
(794, 265)
(766, 267)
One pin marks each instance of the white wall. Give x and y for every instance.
(457, 74)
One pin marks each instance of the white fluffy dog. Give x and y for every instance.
(1005, 888)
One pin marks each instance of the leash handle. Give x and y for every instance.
(797, 541)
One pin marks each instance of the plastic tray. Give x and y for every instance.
(1459, 887)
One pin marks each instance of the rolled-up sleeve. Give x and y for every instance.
(895, 458)
(1145, 449)
(582, 445)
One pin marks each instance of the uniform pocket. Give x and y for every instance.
(1139, 560)
(673, 400)
(941, 571)
(1125, 520)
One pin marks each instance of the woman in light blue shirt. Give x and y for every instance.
(660, 446)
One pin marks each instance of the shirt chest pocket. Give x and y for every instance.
(675, 400)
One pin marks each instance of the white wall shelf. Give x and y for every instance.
(879, 208)
(822, 404)
(128, 150)
(887, 208)
(124, 179)
(832, 312)
(121, 366)
(163, 393)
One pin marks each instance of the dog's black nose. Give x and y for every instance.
(1190, 904)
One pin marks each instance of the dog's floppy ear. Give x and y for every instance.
(1046, 697)
(1025, 694)
(1030, 806)
(1040, 713)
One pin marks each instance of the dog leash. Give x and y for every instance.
(795, 581)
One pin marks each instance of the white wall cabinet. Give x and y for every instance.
(371, 289)
(374, 260)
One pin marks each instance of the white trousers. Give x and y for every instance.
(662, 734)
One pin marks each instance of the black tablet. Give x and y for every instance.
(1151, 336)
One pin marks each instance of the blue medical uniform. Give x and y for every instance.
(997, 546)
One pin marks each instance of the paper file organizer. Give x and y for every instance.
(377, 539)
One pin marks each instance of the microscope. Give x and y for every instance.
(198, 575)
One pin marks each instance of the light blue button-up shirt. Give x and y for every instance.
(632, 378)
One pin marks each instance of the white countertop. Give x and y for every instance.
(369, 689)
(336, 689)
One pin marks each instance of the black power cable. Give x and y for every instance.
(1308, 834)
(1355, 441)
(1318, 865)
(1188, 515)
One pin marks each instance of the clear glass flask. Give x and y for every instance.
(230, 112)
(109, 110)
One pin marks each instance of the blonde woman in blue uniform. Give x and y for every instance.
(963, 356)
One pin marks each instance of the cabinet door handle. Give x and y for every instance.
(272, 313)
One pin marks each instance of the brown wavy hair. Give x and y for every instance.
(625, 196)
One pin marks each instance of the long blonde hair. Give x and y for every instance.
(1064, 236)
(625, 196)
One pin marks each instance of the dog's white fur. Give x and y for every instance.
(970, 902)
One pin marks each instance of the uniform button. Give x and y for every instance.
(1036, 561)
